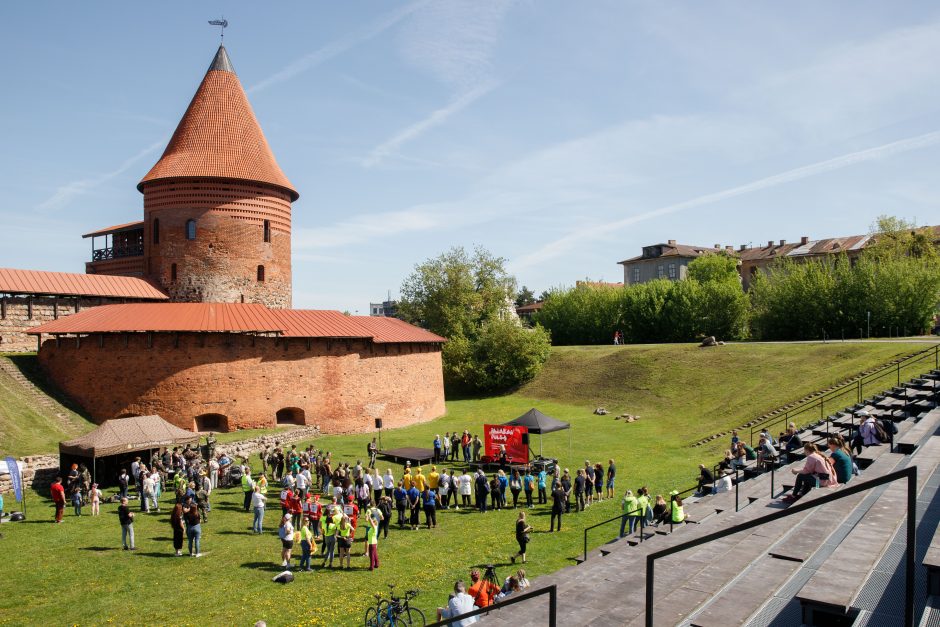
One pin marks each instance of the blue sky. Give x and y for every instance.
(560, 135)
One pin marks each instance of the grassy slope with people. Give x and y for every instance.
(76, 573)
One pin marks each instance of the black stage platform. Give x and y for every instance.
(409, 454)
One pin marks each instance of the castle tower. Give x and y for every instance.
(217, 208)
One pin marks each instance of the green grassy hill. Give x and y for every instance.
(33, 418)
(682, 393)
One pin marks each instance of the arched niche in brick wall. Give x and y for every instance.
(291, 416)
(211, 422)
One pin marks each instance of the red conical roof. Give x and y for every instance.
(219, 136)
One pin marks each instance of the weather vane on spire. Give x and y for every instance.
(223, 23)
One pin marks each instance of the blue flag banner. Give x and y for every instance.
(15, 478)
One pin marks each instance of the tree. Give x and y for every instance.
(894, 237)
(454, 293)
(525, 297)
(544, 296)
(468, 299)
(714, 267)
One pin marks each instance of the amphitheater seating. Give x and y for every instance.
(730, 580)
(830, 593)
(932, 564)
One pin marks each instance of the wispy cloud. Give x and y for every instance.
(436, 118)
(454, 41)
(561, 245)
(68, 192)
(339, 46)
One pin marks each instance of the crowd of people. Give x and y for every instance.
(819, 469)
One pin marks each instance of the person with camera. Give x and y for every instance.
(483, 590)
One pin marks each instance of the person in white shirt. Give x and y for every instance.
(460, 603)
(214, 473)
(300, 482)
(389, 480)
(724, 484)
(466, 486)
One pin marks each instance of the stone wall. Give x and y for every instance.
(251, 446)
(20, 313)
(222, 382)
(38, 472)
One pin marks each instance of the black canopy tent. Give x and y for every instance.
(116, 442)
(537, 422)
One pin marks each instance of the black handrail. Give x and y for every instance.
(909, 473)
(859, 388)
(551, 591)
(610, 520)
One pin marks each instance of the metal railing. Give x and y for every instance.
(551, 591)
(909, 473)
(815, 410)
(642, 518)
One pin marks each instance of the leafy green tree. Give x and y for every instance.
(896, 237)
(468, 299)
(506, 355)
(714, 267)
(525, 297)
(455, 292)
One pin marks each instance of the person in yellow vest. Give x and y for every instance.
(644, 500)
(329, 539)
(419, 481)
(344, 540)
(678, 514)
(434, 478)
(406, 479)
(372, 542)
(248, 487)
(631, 512)
(306, 545)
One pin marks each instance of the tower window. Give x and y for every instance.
(260, 274)
(190, 229)
(267, 230)
(156, 230)
(173, 272)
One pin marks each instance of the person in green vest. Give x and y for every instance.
(372, 543)
(329, 539)
(344, 540)
(678, 514)
(306, 545)
(248, 486)
(643, 500)
(631, 512)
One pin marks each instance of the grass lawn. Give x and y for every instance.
(74, 573)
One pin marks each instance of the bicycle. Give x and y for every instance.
(394, 611)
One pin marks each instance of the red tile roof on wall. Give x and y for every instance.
(219, 136)
(676, 250)
(235, 318)
(319, 323)
(38, 282)
(392, 330)
(129, 226)
(166, 317)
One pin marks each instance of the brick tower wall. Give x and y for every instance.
(340, 386)
(221, 263)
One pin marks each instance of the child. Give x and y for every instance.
(77, 501)
(95, 498)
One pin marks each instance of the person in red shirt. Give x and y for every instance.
(58, 498)
(296, 508)
(316, 512)
(352, 511)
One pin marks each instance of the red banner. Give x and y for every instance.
(511, 437)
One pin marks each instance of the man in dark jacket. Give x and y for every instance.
(126, 517)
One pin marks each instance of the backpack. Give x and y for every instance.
(880, 433)
(889, 426)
